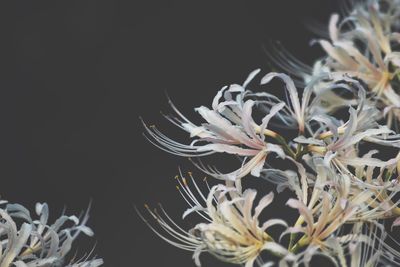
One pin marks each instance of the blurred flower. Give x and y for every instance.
(362, 246)
(37, 243)
(365, 52)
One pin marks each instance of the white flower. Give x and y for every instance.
(231, 231)
(297, 112)
(338, 199)
(339, 142)
(37, 243)
(229, 128)
(363, 46)
(234, 234)
(300, 113)
(374, 62)
(363, 245)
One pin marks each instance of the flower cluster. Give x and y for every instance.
(330, 135)
(28, 242)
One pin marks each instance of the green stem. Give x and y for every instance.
(301, 151)
(291, 240)
(304, 240)
(294, 235)
(285, 146)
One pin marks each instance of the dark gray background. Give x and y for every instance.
(76, 75)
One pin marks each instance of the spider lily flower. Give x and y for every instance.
(37, 243)
(295, 109)
(385, 187)
(338, 142)
(388, 12)
(363, 246)
(366, 246)
(337, 200)
(231, 231)
(374, 62)
(328, 211)
(380, 183)
(320, 222)
(377, 65)
(298, 113)
(234, 235)
(358, 248)
(229, 128)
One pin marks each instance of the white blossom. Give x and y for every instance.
(229, 128)
(231, 230)
(374, 61)
(28, 242)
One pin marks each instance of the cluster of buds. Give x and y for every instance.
(331, 138)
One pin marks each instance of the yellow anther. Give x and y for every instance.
(317, 149)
